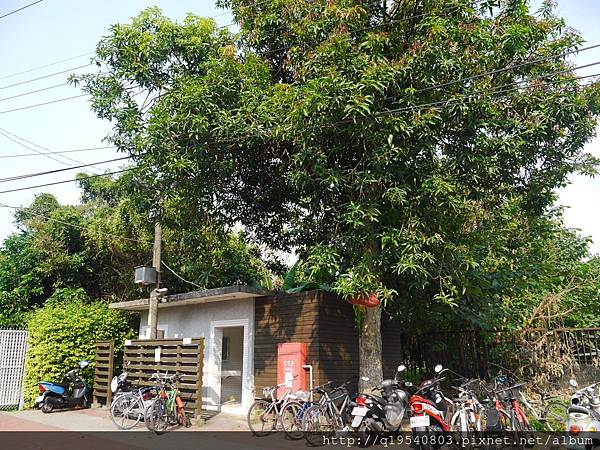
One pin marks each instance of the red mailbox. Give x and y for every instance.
(290, 359)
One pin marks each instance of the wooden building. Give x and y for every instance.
(242, 327)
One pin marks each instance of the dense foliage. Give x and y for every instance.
(94, 246)
(387, 137)
(64, 332)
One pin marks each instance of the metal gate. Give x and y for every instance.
(13, 344)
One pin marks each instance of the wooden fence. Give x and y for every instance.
(143, 358)
(103, 372)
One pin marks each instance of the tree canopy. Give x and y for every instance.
(93, 248)
(396, 142)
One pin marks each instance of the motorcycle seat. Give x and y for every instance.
(578, 409)
(376, 398)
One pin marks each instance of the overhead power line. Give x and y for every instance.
(498, 89)
(49, 172)
(44, 103)
(33, 92)
(31, 80)
(65, 181)
(180, 277)
(20, 9)
(58, 152)
(46, 65)
(8, 134)
(17, 140)
(79, 227)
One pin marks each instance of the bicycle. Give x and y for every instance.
(467, 418)
(266, 413)
(512, 417)
(295, 411)
(325, 418)
(552, 409)
(128, 408)
(167, 407)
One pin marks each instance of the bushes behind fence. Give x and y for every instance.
(64, 332)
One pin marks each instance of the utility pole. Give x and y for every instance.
(153, 306)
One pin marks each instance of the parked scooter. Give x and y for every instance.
(120, 384)
(64, 395)
(430, 412)
(374, 414)
(583, 416)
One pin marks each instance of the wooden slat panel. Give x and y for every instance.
(103, 372)
(175, 358)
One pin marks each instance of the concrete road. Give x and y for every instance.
(92, 429)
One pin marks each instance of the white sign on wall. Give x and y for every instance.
(157, 354)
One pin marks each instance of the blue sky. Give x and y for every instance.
(57, 29)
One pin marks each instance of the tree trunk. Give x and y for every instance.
(369, 342)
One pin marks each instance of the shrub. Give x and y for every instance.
(64, 332)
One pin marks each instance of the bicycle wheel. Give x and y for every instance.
(157, 416)
(317, 425)
(291, 420)
(555, 415)
(126, 411)
(262, 418)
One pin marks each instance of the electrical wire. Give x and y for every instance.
(20, 9)
(31, 80)
(516, 85)
(58, 152)
(46, 65)
(17, 140)
(58, 100)
(47, 155)
(33, 92)
(49, 172)
(79, 227)
(180, 277)
(65, 181)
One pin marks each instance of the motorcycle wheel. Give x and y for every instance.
(366, 437)
(428, 443)
(47, 406)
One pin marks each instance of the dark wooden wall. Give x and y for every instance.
(326, 323)
(279, 319)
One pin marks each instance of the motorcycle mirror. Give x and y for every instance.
(438, 368)
(408, 384)
(401, 368)
(83, 364)
(365, 378)
(128, 363)
(573, 382)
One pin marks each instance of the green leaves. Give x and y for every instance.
(396, 137)
(64, 332)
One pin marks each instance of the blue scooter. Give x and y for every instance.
(64, 395)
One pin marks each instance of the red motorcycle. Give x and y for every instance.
(430, 412)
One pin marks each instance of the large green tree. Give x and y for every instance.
(393, 138)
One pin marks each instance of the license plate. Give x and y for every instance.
(419, 421)
(360, 411)
(39, 399)
(357, 421)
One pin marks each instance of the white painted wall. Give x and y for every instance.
(192, 321)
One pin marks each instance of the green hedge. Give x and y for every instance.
(64, 332)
